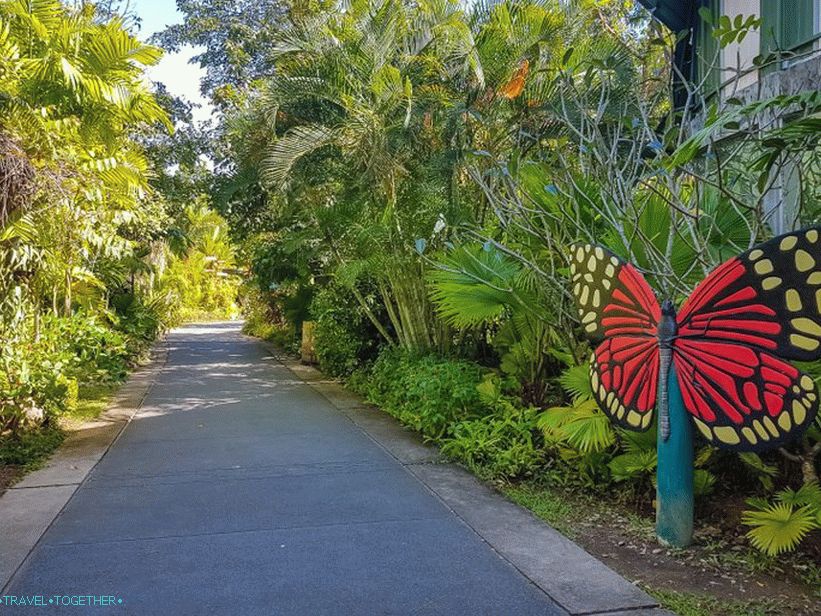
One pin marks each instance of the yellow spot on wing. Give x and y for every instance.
(765, 266)
(802, 342)
(704, 429)
(793, 300)
(771, 283)
(788, 243)
(749, 435)
(634, 419)
(759, 428)
(785, 422)
(814, 278)
(726, 434)
(799, 413)
(756, 254)
(804, 261)
(807, 383)
(812, 236)
(808, 326)
(768, 423)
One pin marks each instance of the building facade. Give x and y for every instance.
(781, 56)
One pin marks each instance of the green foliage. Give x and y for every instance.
(471, 286)
(781, 525)
(583, 427)
(576, 382)
(30, 448)
(34, 391)
(142, 318)
(765, 473)
(427, 393)
(343, 338)
(696, 604)
(81, 229)
(200, 277)
(503, 444)
(89, 348)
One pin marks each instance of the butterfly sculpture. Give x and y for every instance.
(728, 344)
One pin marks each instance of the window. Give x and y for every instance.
(789, 24)
(708, 55)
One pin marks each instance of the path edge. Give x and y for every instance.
(576, 581)
(29, 507)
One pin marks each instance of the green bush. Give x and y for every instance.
(779, 526)
(34, 390)
(30, 448)
(142, 318)
(90, 349)
(343, 340)
(427, 393)
(502, 445)
(262, 321)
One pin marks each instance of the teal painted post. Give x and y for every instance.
(674, 474)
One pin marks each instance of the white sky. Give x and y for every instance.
(180, 77)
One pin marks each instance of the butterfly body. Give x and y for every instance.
(727, 345)
(667, 330)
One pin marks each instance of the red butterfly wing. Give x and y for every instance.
(769, 297)
(753, 309)
(741, 397)
(618, 309)
(624, 376)
(612, 297)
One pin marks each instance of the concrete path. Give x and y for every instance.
(240, 488)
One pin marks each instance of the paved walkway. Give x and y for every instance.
(239, 489)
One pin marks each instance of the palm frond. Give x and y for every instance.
(285, 152)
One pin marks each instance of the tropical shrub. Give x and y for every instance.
(199, 274)
(343, 338)
(503, 444)
(142, 318)
(34, 391)
(264, 321)
(89, 348)
(427, 393)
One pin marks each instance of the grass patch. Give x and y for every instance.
(549, 506)
(92, 400)
(30, 449)
(693, 604)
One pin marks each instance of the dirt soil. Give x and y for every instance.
(717, 564)
(8, 475)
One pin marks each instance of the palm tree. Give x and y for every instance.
(71, 92)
